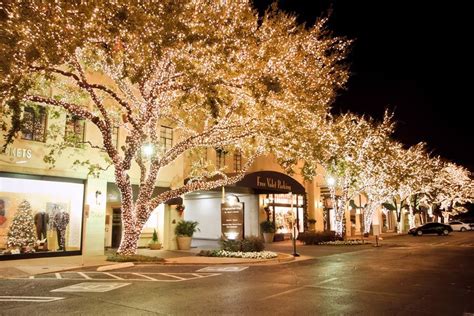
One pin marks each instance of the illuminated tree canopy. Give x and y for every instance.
(215, 71)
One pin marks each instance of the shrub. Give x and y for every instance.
(252, 244)
(249, 244)
(315, 238)
(230, 245)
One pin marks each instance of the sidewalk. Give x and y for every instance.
(27, 267)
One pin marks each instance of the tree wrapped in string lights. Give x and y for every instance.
(452, 187)
(411, 172)
(215, 71)
(354, 159)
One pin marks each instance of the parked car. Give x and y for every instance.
(459, 226)
(431, 228)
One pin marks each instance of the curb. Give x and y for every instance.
(116, 266)
(282, 258)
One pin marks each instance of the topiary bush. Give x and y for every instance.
(249, 244)
(230, 245)
(252, 244)
(315, 238)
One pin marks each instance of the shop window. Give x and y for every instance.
(34, 124)
(166, 137)
(237, 161)
(74, 132)
(40, 217)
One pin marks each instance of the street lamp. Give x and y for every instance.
(331, 181)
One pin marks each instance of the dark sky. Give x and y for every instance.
(410, 57)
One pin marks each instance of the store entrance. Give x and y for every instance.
(286, 213)
(116, 227)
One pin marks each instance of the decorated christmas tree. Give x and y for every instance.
(22, 231)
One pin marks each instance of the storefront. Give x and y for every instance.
(40, 216)
(263, 194)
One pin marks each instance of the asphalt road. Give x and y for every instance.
(428, 275)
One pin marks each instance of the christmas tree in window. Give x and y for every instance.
(22, 232)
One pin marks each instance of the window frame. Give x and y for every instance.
(166, 134)
(39, 116)
(79, 140)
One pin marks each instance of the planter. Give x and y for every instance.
(184, 243)
(268, 237)
(156, 246)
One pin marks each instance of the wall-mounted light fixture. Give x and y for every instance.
(98, 195)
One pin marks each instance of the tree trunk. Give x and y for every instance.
(129, 242)
(411, 217)
(368, 213)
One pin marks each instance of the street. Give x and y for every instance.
(428, 275)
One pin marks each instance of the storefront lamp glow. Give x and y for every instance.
(331, 181)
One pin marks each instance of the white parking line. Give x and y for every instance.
(84, 275)
(123, 276)
(173, 276)
(297, 289)
(145, 276)
(113, 276)
(35, 299)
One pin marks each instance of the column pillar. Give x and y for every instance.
(95, 209)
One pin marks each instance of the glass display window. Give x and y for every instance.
(286, 212)
(39, 216)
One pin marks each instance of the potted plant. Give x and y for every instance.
(184, 231)
(154, 244)
(268, 229)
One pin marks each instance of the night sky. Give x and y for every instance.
(410, 57)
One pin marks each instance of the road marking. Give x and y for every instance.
(223, 269)
(113, 276)
(84, 275)
(326, 281)
(297, 289)
(173, 276)
(127, 276)
(35, 299)
(145, 276)
(96, 287)
(356, 290)
(283, 293)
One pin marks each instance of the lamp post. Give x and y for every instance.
(295, 229)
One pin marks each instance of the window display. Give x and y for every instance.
(285, 216)
(39, 216)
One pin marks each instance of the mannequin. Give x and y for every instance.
(60, 222)
(41, 223)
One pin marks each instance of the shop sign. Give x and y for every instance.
(18, 153)
(232, 220)
(271, 181)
